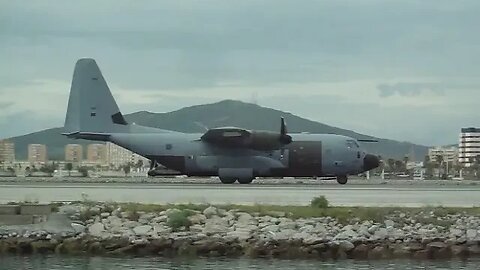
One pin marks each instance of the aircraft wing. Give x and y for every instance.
(233, 137)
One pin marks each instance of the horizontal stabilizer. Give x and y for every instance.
(367, 141)
(88, 136)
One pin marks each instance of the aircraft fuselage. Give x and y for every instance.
(307, 155)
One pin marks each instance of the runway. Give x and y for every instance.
(348, 195)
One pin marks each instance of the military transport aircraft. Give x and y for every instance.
(231, 153)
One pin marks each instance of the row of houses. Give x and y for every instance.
(96, 154)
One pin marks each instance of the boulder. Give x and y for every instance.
(346, 246)
(160, 219)
(471, 235)
(97, 229)
(381, 234)
(142, 230)
(197, 219)
(389, 223)
(216, 226)
(245, 218)
(346, 235)
(210, 212)
(456, 232)
(78, 228)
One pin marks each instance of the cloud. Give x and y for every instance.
(333, 61)
(413, 89)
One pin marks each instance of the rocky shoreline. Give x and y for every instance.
(116, 230)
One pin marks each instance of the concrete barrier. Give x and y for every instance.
(16, 219)
(9, 209)
(35, 209)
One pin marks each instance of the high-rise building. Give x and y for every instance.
(118, 156)
(73, 153)
(97, 153)
(469, 146)
(37, 153)
(7, 151)
(448, 154)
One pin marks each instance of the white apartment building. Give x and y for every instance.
(119, 156)
(469, 146)
(449, 154)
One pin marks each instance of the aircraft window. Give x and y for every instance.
(168, 146)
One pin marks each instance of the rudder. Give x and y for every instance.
(91, 106)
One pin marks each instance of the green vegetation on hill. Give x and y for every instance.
(225, 113)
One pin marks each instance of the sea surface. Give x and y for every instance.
(90, 263)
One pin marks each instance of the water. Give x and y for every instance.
(91, 263)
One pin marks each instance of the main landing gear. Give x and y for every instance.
(342, 180)
(231, 180)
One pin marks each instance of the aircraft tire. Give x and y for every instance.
(227, 180)
(342, 180)
(245, 180)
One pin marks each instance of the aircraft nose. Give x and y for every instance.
(370, 162)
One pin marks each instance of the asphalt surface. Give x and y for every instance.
(348, 195)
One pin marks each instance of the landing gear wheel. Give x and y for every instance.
(227, 180)
(342, 180)
(245, 180)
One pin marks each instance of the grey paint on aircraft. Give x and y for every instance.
(234, 154)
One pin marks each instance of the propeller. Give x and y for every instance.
(284, 137)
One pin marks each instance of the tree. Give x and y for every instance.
(139, 164)
(69, 167)
(391, 164)
(83, 170)
(126, 168)
(399, 166)
(439, 160)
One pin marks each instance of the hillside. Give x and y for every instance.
(224, 113)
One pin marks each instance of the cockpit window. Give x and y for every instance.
(352, 144)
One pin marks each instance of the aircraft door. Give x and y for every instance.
(305, 158)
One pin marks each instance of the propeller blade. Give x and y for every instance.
(283, 127)
(284, 137)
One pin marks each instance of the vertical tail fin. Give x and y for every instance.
(91, 106)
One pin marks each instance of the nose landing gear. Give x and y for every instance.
(342, 180)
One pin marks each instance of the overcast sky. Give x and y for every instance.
(405, 70)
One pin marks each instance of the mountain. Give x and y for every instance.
(225, 113)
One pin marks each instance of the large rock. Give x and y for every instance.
(471, 235)
(96, 230)
(197, 219)
(216, 225)
(287, 224)
(389, 223)
(78, 228)
(142, 230)
(346, 235)
(381, 234)
(286, 234)
(210, 212)
(454, 232)
(246, 219)
(346, 246)
(160, 230)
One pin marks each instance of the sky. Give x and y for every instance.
(403, 70)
